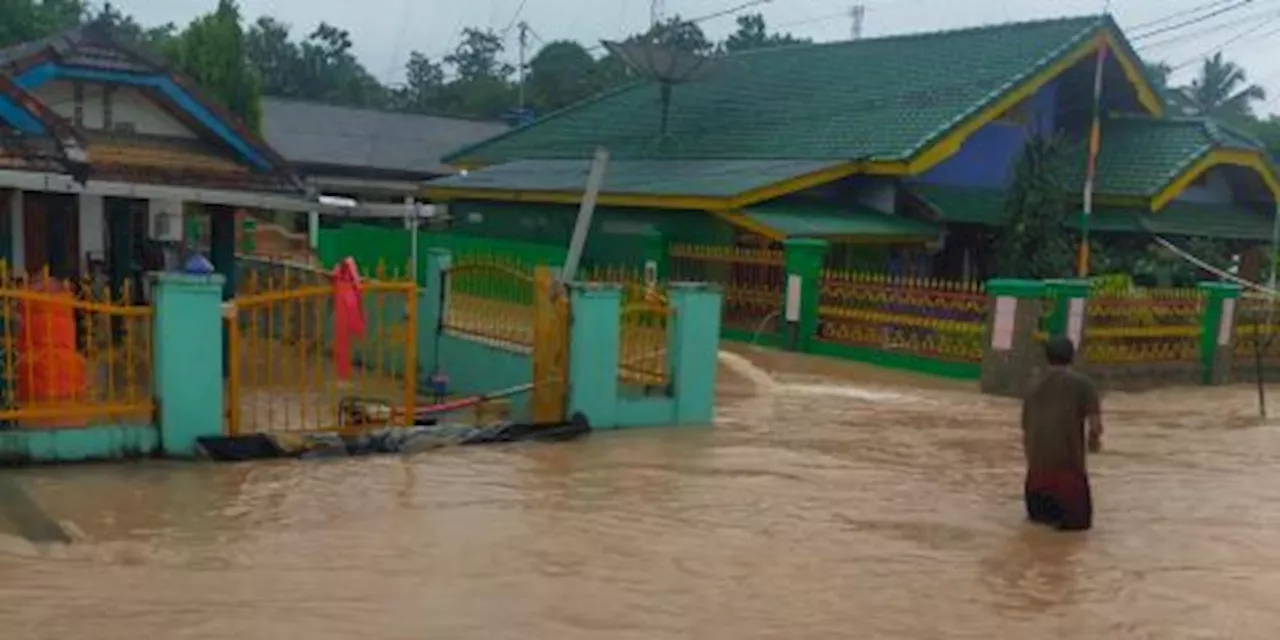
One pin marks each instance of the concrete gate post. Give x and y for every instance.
(1217, 331)
(1011, 357)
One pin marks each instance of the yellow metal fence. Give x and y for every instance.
(73, 354)
(283, 363)
(1257, 335)
(491, 298)
(936, 319)
(1143, 326)
(643, 357)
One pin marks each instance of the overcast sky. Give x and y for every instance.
(385, 31)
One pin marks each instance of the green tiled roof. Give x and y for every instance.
(961, 205)
(820, 219)
(986, 207)
(879, 99)
(1225, 222)
(709, 178)
(1140, 156)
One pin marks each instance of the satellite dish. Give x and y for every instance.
(662, 64)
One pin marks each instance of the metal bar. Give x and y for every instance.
(595, 180)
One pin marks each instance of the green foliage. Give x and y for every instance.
(1033, 243)
(1221, 90)
(752, 33)
(211, 51)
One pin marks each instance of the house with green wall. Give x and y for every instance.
(899, 151)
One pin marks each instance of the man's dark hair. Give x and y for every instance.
(1060, 351)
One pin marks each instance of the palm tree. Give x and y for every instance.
(1222, 90)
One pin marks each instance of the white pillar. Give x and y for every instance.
(313, 229)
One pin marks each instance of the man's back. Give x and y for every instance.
(1053, 420)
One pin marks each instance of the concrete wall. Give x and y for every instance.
(476, 367)
(106, 442)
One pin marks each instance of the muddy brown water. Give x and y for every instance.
(830, 501)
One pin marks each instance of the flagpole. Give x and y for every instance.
(1095, 139)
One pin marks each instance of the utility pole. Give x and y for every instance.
(656, 10)
(858, 12)
(524, 43)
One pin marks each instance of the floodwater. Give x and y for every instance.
(830, 501)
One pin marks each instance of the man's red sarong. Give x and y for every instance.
(1060, 499)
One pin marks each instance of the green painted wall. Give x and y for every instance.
(614, 230)
(29, 446)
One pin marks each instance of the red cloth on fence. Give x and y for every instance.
(348, 315)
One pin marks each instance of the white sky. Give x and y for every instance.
(385, 31)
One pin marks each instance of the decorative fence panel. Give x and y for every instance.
(1257, 339)
(73, 354)
(1144, 337)
(752, 281)
(491, 299)
(932, 320)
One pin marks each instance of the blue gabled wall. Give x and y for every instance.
(986, 159)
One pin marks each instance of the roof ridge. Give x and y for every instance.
(330, 105)
(1098, 19)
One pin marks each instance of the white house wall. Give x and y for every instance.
(128, 107)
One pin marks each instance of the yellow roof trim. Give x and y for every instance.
(949, 144)
(445, 194)
(1219, 157)
(741, 221)
(1134, 74)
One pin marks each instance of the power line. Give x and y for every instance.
(1194, 35)
(1193, 21)
(1230, 41)
(515, 18)
(1179, 14)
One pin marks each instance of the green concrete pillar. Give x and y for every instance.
(1011, 357)
(1217, 331)
(655, 251)
(593, 352)
(249, 236)
(222, 246)
(187, 350)
(804, 258)
(1069, 299)
(693, 340)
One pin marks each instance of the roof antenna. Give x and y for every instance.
(859, 13)
(662, 64)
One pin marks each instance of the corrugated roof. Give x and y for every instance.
(799, 219)
(708, 178)
(321, 134)
(1140, 156)
(882, 98)
(963, 205)
(1224, 222)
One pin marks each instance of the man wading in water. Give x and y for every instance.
(1054, 417)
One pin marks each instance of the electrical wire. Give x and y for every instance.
(1193, 21)
(1195, 35)
(1230, 41)
(1179, 14)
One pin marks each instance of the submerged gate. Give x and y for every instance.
(282, 367)
(512, 306)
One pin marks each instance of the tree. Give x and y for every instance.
(481, 85)
(424, 84)
(26, 20)
(753, 33)
(1222, 90)
(562, 74)
(680, 34)
(211, 51)
(1032, 244)
(126, 28)
(331, 73)
(276, 57)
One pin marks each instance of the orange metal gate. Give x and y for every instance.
(281, 369)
